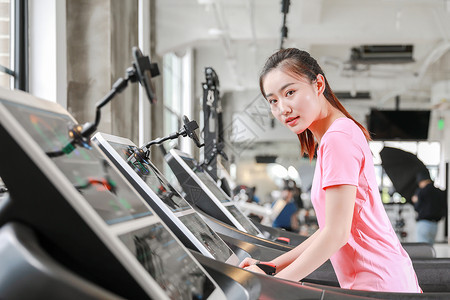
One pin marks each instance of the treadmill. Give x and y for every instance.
(74, 228)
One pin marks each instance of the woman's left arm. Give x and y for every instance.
(340, 203)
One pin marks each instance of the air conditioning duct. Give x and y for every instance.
(353, 95)
(382, 54)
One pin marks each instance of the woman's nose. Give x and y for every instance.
(284, 108)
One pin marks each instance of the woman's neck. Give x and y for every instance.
(328, 115)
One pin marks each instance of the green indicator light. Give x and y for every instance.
(69, 148)
(441, 124)
(112, 183)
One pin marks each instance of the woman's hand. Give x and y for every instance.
(248, 261)
(255, 269)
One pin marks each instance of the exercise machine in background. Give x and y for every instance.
(213, 128)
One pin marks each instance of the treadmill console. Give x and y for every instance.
(87, 215)
(163, 198)
(203, 192)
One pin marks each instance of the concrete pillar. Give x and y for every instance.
(100, 36)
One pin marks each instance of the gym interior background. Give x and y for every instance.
(383, 55)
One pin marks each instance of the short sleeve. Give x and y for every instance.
(342, 160)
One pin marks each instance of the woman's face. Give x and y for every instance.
(294, 101)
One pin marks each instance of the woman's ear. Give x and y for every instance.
(320, 84)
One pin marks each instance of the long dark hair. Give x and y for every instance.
(302, 64)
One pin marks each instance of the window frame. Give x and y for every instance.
(18, 46)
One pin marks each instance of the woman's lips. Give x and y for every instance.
(292, 121)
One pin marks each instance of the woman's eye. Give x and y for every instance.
(289, 93)
(272, 101)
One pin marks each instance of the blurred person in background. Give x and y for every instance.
(431, 205)
(284, 209)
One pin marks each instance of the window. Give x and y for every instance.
(6, 72)
(172, 93)
(14, 44)
(177, 93)
(177, 100)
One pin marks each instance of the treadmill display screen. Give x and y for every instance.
(220, 195)
(168, 263)
(153, 178)
(104, 189)
(156, 181)
(243, 220)
(207, 236)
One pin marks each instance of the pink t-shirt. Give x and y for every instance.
(373, 258)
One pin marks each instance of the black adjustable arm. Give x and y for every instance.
(188, 129)
(141, 71)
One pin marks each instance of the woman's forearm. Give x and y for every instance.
(287, 258)
(326, 243)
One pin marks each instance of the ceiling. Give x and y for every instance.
(236, 36)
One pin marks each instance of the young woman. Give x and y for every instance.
(354, 230)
